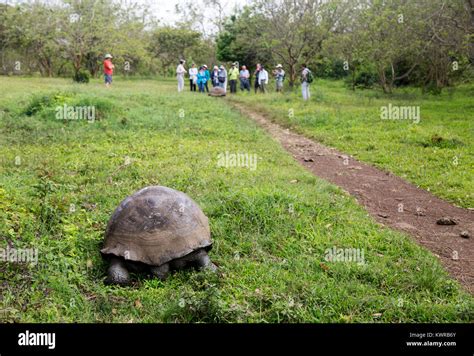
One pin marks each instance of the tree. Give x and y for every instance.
(421, 34)
(171, 44)
(40, 30)
(294, 30)
(87, 28)
(130, 40)
(448, 34)
(204, 16)
(10, 33)
(241, 40)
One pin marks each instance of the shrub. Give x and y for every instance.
(364, 79)
(81, 77)
(39, 103)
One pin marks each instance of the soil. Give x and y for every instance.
(390, 200)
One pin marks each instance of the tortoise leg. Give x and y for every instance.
(118, 273)
(160, 272)
(202, 261)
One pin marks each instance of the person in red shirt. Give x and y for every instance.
(108, 69)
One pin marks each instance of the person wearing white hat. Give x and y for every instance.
(279, 74)
(222, 77)
(201, 79)
(108, 69)
(306, 79)
(180, 75)
(215, 76)
(208, 76)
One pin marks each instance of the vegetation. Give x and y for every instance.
(61, 179)
(425, 43)
(434, 153)
(63, 39)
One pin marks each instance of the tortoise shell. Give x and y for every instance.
(217, 91)
(156, 225)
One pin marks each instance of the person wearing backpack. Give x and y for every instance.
(306, 80)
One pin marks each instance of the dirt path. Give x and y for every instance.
(389, 199)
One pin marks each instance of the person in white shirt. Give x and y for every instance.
(180, 75)
(222, 76)
(193, 71)
(279, 74)
(262, 79)
(305, 82)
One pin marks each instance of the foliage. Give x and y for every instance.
(170, 45)
(434, 153)
(66, 37)
(241, 41)
(81, 77)
(425, 43)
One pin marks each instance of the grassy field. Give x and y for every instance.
(436, 153)
(60, 180)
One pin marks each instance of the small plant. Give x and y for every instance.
(102, 107)
(47, 212)
(441, 142)
(41, 102)
(38, 103)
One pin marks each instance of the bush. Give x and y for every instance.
(364, 79)
(38, 103)
(41, 103)
(81, 77)
(327, 68)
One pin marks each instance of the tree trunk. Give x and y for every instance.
(292, 75)
(353, 79)
(470, 5)
(46, 67)
(387, 89)
(77, 63)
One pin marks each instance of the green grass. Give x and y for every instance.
(436, 154)
(271, 226)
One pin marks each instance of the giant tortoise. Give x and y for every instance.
(158, 229)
